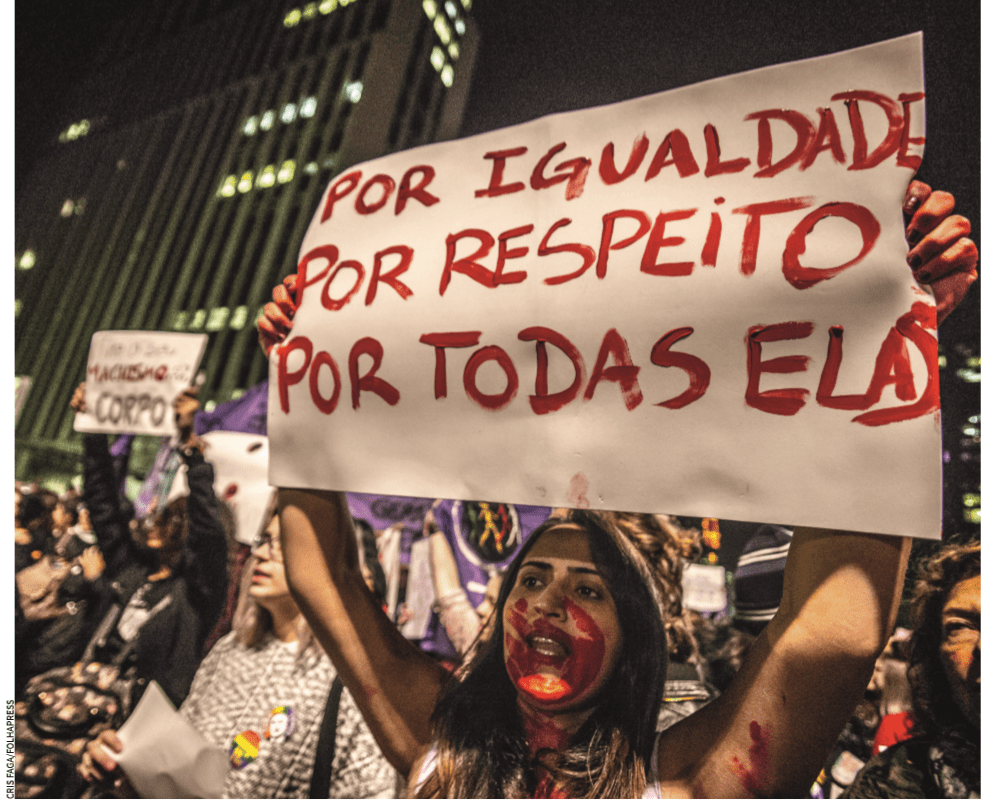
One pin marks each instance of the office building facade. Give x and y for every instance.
(191, 160)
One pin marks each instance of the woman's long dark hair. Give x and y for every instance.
(480, 742)
(934, 708)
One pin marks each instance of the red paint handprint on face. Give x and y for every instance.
(561, 632)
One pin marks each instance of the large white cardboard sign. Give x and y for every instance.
(133, 378)
(695, 303)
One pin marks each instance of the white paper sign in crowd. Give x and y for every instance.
(132, 380)
(694, 303)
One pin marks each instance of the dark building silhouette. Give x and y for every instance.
(190, 162)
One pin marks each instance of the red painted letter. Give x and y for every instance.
(541, 401)
(585, 252)
(624, 373)
(492, 402)
(786, 402)
(801, 277)
(441, 341)
(370, 382)
(648, 264)
(343, 186)
(407, 191)
(286, 378)
(497, 173)
(698, 371)
(764, 156)
(576, 174)
(751, 236)
(392, 276)
(467, 266)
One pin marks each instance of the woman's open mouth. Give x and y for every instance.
(547, 646)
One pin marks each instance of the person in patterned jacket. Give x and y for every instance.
(261, 694)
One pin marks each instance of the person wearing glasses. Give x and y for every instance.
(261, 694)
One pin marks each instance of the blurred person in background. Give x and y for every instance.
(942, 758)
(268, 684)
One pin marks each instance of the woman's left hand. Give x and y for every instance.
(940, 255)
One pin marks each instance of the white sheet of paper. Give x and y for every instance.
(419, 593)
(707, 376)
(133, 378)
(241, 462)
(163, 756)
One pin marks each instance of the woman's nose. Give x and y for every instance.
(551, 600)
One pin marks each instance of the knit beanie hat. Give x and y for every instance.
(759, 577)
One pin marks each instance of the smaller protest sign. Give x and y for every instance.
(241, 462)
(132, 380)
(704, 588)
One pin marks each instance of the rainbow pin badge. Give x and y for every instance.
(280, 723)
(244, 749)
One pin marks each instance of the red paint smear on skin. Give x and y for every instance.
(754, 778)
(578, 670)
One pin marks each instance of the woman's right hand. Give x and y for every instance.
(277, 316)
(97, 762)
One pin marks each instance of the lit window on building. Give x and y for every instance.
(292, 19)
(972, 508)
(442, 28)
(217, 319)
(309, 11)
(228, 187)
(446, 75)
(454, 50)
(330, 161)
(311, 168)
(251, 126)
(198, 320)
(210, 405)
(460, 25)
(27, 260)
(326, 6)
(972, 515)
(84, 127)
(179, 321)
(941, 361)
(237, 393)
(429, 6)
(974, 419)
(288, 114)
(245, 182)
(437, 58)
(267, 120)
(346, 2)
(18, 304)
(286, 171)
(352, 90)
(67, 208)
(969, 375)
(267, 177)
(308, 107)
(450, 7)
(466, 4)
(239, 319)
(969, 430)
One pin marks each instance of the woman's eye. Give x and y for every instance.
(589, 591)
(530, 581)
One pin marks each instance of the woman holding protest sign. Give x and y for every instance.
(564, 699)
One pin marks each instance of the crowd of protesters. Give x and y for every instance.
(578, 671)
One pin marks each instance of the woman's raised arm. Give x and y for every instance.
(769, 734)
(394, 684)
